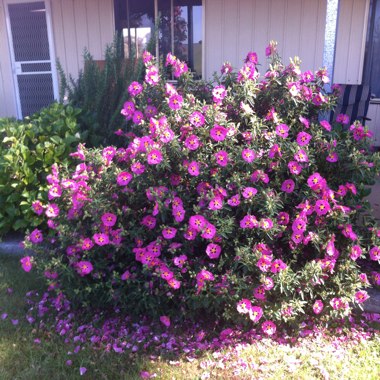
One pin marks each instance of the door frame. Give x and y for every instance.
(49, 27)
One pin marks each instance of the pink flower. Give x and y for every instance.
(137, 168)
(126, 275)
(316, 182)
(288, 186)
(255, 313)
(192, 142)
(197, 222)
(326, 125)
(301, 156)
(87, 244)
(169, 232)
(154, 157)
(218, 133)
(322, 207)
(259, 293)
(249, 192)
(268, 283)
(282, 130)
(26, 263)
(108, 154)
(180, 261)
(152, 76)
(197, 119)
(149, 222)
(213, 251)
(138, 117)
(216, 203)
(124, 178)
(332, 157)
(266, 224)
(248, 155)
(243, 306)
(318, 307)
(303, 138)
(135, 88)
(221, 158)
(193, 168)
(269, 328)
(37, 207)
(179, 214)
(361, 296)
(343, 119)
(219, 93)
(109, 219)
(283, 218)
(249, 221)
(84, 268)
(337, 303)
(165, 320)
(55, 191)
(374, 253)
(294, 167)
(297, 237)
(128, 110)
(299, 225)
(52, 210)
(278, 266)
(208, 231)
(175, 102)
(101, 239)
(234, 201)
(36, 236)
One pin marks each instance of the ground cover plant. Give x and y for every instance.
(28, 149)
(241, 204)
(36, 343)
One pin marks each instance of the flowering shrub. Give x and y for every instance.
(241, 202)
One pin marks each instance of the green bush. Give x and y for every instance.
(240, 203)
(28, 149)
(100, 92)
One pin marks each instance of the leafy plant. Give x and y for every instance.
(238, 202)
(28, 149)
(100, 92)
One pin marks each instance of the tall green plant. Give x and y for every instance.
(101, 91)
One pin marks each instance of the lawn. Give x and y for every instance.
(29, 352)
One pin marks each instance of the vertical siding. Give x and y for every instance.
(80, 24)
(374, 123)
(236, 27)
(7, 94)
(350, 43)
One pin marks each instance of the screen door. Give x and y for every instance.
(33, 62)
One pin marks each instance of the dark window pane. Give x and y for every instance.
(165, 34)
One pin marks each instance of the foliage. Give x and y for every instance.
(27, 151)
(240, 203)
(100, 91)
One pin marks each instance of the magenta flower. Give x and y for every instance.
(197, 119)
(248, 155)
(361, 296)
(154, 157)
(374, 253)
(268, 283)
(269, 328)
(36, 236)
(128, 110)
(264, 263)
(180, 261)
(84, 268)
(55, 191)
(259, 293)
(303, 138)
(197, 222)
(150, 111)
(234, 201)
(283, 218)
(167, 135)
(175, 102)
(52, 210)
(87, 244)
(126, 275)
(288, 186)
(299, 225)
(192, 142)
(322, 207)
(301, 156)
(337, 303)
(108, 154)
(216, 203)
(219, 93)
(174, 283)
(149, 222)
(213, 251)
(297, 237)
(218, 133)
(316, 182)
(255, 313)
(343, 119)
(165, 320)
(282, 130)
(332, 157)
(318, 307)
(135, 88)
(190, 234)
(101, 239)
(277, 266)
(138, 117)
(169, 232)
(208, 231)
(221, 158)
(294, 167)
(355, 252)
(137, 168)
(124, 178)
(266, 224)
(26, 263)
(249, 192)
(152, 76)
(326, 125)
(243, 306)
(193, 168)
(249, 221)
(109, 219)
(37, 207)
(179, 214)
(348, 232)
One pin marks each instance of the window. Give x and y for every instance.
(372, 61)
(179, 29)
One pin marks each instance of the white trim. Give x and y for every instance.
(364, 38)
(52, 60)
(203, 39)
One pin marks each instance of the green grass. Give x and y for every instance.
(21, 358)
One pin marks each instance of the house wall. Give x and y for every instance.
(374, 123)
(233, 28)
(350, 41)
(79, 24)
